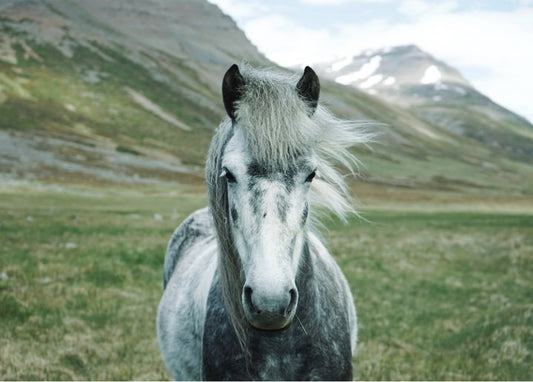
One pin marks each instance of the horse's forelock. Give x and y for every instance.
(279, 126)
(273, 117)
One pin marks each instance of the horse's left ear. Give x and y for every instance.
(309, 88)
(231, 89)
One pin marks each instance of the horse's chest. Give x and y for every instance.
(271, 357)
(290, 354)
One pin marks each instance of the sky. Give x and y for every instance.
(489, 41)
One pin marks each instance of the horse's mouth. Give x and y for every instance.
(269, 321)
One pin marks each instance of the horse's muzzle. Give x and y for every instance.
(269, 312)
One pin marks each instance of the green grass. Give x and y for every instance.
(83, 281)
(440, 294)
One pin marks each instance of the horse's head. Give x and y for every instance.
(268, 210)
(267, 192)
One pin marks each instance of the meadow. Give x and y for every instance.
(443, 283)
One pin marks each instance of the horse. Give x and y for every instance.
(250, 290)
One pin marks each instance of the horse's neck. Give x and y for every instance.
(305, 269)
(305, 278)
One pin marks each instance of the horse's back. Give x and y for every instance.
(192, 231)
(190, 263)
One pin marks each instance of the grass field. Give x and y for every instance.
(444, 289)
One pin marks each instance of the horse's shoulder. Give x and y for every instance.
(197, 226)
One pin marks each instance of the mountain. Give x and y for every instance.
(124, 90)
(129, 92)
(399, 74)
(410, 78)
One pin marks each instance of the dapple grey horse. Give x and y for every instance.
(250, 291)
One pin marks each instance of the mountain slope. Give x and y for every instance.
(124, 81)
(129, 91)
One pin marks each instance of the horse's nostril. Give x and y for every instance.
(293, 294)
(248, 294)
(248, 299)
(292, 303)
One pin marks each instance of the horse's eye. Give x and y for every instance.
(311, 176)
(230, 178)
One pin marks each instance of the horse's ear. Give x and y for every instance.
(231, 89)
(309, 88)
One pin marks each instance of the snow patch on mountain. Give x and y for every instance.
(338, 65)
(389, 81)
(371, 81)
(366, 71)
(432, 75)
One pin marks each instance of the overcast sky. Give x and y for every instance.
(489, 41)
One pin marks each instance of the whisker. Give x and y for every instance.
(302, 325)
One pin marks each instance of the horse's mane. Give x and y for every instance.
(279, 126)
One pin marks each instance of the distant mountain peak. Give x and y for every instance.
(390, 70)
(411, 78)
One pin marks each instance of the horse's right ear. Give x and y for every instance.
(309, 88)
(232, 89)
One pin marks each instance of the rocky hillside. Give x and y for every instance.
(129, 91)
